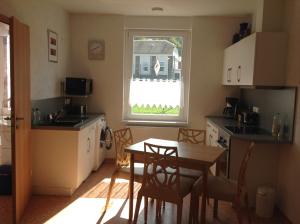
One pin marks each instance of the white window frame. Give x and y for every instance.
(185, 78)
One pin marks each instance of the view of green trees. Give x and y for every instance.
(167, 110)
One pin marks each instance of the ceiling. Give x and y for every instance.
(170, 7)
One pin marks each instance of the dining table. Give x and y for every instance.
(191, 156)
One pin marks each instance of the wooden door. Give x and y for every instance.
(21, 116)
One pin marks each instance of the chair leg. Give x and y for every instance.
(238, 213)
(179, 212)
(216, 205)
(145, 209)
(247, 207)
(137, 208)
(192, 206)
(158, 210)
(164, 204)
(112, 182)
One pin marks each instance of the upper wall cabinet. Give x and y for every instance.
(257, 60)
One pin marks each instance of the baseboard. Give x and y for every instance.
(59, 191)
(109, 160)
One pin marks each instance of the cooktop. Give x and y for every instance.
(247, 130)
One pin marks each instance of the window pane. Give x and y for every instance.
(155, 87)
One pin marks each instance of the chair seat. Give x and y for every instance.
(137, 170)
(221, 188)
(186, 185)
(190, 173)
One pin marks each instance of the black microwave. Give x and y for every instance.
(78, 86)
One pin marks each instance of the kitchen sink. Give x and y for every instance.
(64, 122)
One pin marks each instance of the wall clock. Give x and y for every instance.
(96, 50)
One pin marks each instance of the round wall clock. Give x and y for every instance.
(96, 50)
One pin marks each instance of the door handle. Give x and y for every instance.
(17, 121)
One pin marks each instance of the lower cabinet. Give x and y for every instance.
(62, 159)
(86, 152)
(212, 136)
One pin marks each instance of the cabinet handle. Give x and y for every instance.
(229, 74)
(89, 145)
(238, 73)
(210, 137)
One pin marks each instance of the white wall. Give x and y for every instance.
(40, 16)
(289, 178)
(209, 38)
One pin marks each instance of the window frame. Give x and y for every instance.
(185, 78)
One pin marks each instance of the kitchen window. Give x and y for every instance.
(160, 93)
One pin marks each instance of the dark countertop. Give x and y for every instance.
(266, 136)
(46, 125)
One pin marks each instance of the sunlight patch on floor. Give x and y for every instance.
(90, 210)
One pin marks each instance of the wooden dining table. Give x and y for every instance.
(192, 156)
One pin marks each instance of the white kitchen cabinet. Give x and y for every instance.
(212, 136)
(257, 60)
(63, 159)
(86, 152)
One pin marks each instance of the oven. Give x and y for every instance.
(224, 162)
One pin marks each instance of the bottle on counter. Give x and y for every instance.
(276, 125)
(36, 117)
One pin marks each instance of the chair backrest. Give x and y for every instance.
(123, 138)
(192, 136)
(161, 171)
(243, 169)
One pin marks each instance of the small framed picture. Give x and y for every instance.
(96, 50)
(52, 46)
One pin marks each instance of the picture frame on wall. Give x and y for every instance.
(96, 49)
(52, 46)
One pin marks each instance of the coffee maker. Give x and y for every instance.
(231, 109)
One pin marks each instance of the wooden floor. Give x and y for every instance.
(6, 209)
(87, 203)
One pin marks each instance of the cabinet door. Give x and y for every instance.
(244, 65)
(84, 155)
(229, 69)
(92, 147)
(212, 136)
(208, 134)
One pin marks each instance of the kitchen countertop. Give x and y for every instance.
(266, 136)
(46, 125)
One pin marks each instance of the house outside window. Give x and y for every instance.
(159, 91)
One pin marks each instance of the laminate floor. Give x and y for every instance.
(6, 209)
(86, 205)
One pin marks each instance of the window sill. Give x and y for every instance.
(155, 123)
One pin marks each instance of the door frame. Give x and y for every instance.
(7, 20)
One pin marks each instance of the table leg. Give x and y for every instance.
(131, 186)
(204, 196)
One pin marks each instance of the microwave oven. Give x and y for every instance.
(78, 86)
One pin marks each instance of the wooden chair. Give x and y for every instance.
(160, 184)
(221, 188)
(123, 138)
(191, 136)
